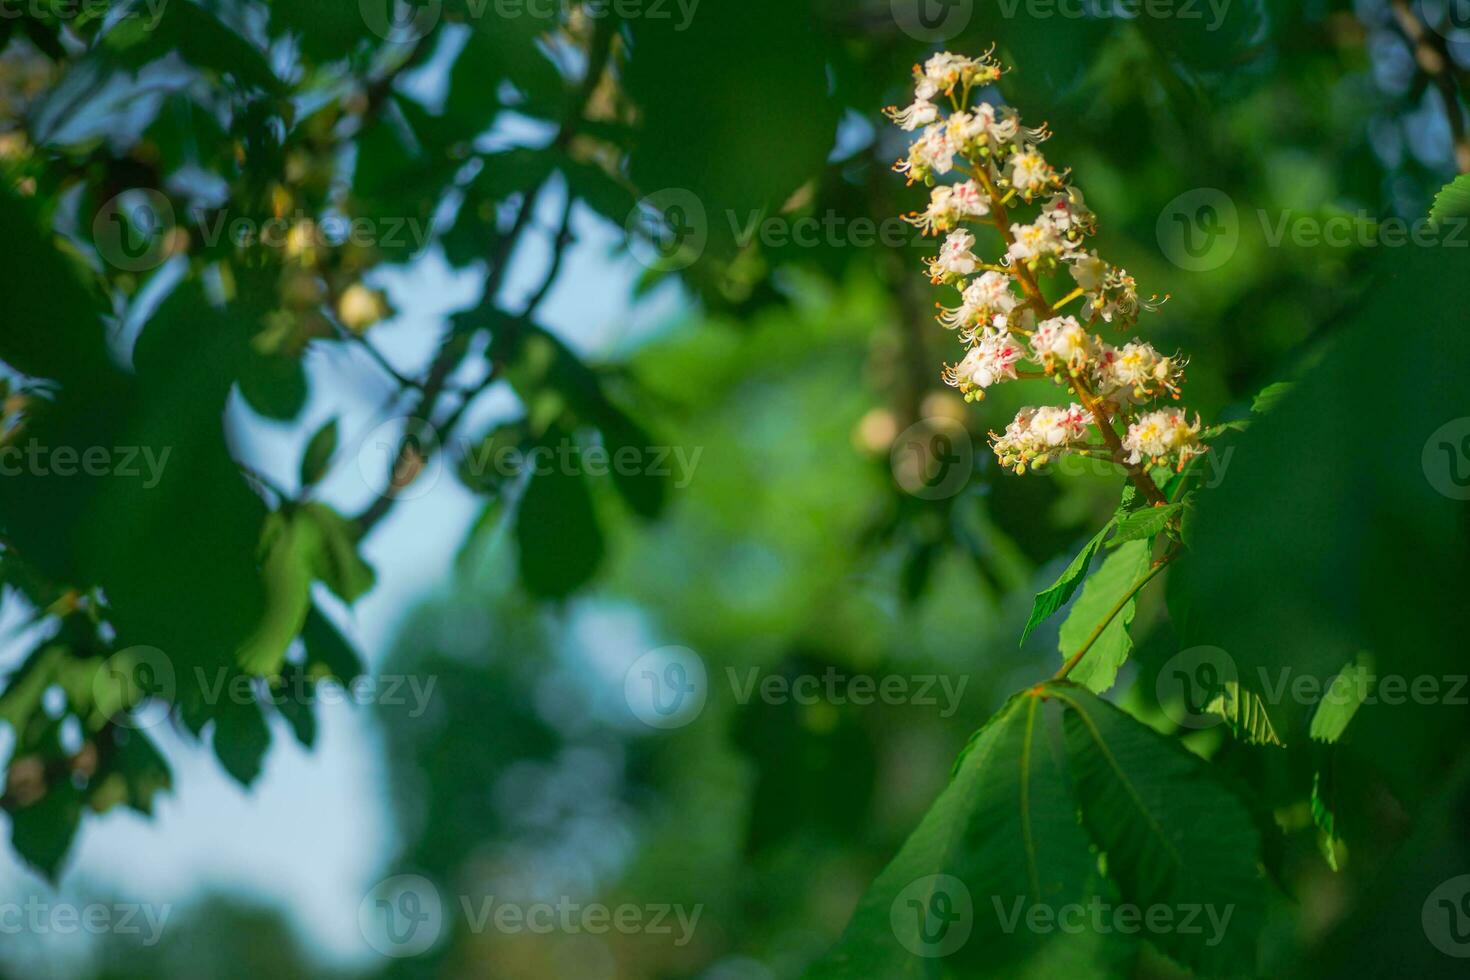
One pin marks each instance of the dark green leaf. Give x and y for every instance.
(241, 738)
(42, 832)
(1055, 597)
(1174, 837)
(557, 532)
(1002, 838)
(317, 458)
(328, 654)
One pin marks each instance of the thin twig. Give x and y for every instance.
(452, 349)
(1432, 56)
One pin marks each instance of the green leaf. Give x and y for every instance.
(1144, 523)
(644, 492)
(328, 654)
(1325, 819)
(241, 738)
(1173, 835)
(1453, 201)
(1244, 710)
(52, 326)
(336, 563)
(296, 709)
(1314, 553)
(557, 532)
(1341, 700)
(24, 689)
(199, 37)
(1005, 837)
(327, 30)
(274, 385)
(42, 832)
(318, 455)
(290, 545)
(1216, 431)
(1055, 597)
(1270, 396)
(1105, 589)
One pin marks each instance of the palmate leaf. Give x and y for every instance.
(1055, 597)
(1005, 834)
(1174, 837)
(1181, 855)
(1119, 573)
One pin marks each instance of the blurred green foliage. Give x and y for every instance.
(793, 550)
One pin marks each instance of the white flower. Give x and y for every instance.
(992, 292)
(949, 204)
(921, 113)
(1164, 435)
(955, 258)
(932, 153)
(1031, 174)
(1069, 213)
(944, 71)
(1035, 241)
(1117, 296)
(969, 201)
(1089, 271)
(1038, 433)
(1055, 426)
(988, 297)
(1063, 338)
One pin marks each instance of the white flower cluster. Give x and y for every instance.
(1004, 318)
(1037, 434)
